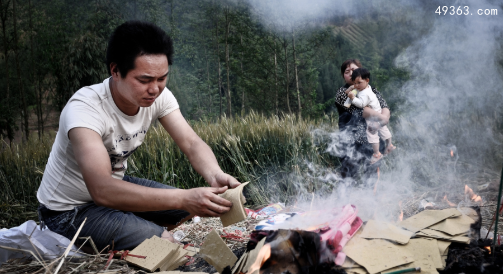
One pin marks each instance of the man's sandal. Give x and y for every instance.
(389, 149)
(375, 158)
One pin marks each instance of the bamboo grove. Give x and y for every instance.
(226, 62)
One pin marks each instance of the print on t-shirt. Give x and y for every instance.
(123, 148)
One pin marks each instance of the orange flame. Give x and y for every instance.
(488, 249)
(448, 202)
(400, 217)
(452, 153)
(263, 255)
(474, 197)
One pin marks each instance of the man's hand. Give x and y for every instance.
(223, 179)
(200, 155)
(205, 202)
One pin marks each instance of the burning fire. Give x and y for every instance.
(473, 197)
(488, 248)
(262, 256)
(452, 153)
(448, 202)
(400, 217)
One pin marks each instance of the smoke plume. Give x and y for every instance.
(452, 102)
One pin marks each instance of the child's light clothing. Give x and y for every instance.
(373, 138)
(365, 98)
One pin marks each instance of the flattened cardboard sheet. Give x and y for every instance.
(444, 262)
(356, 270)
(191, 250)
(177, 263)
(384, 230)
(175, 260)
(237, 212)
(454, 226)
(426, 255)
(377, 255)
(349, 263)
(252, 256)
(161, 254)
(427, 218)
(470, 212)
(238, 266)
(156, 251)
(443, 246)
(216, 252)
(430, 233)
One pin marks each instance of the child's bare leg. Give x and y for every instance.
(377, 155)
(375, 147)
(389, 146)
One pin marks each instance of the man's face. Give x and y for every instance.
(143, 84)
(360, 84)
(348, 72)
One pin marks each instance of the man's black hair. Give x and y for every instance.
(133, 39)
(360, 72)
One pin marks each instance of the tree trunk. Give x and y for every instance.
(208, 79)
(219, 69)
(33, 72)
(275, 79)
(296, 75)
(287, 79)
(228, 91)
(18, 70)
(242, 75)
(8, 109)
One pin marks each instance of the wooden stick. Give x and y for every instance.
(494, 219)
(70, 246)
(23, 250)
(36, 249)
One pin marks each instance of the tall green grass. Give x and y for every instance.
(254, 148)
(21, 170)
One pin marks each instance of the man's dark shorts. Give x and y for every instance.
(118, 229)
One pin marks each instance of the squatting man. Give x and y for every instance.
(100, 127)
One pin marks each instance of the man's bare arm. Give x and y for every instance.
(199, 153)
(95, 166)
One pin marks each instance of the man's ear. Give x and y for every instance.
(114, 70)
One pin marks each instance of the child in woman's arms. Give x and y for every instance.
(365, 97)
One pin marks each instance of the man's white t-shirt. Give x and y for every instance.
(93, 107)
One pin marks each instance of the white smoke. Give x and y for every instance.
(454, 97)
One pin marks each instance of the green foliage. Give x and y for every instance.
(62, 48)
(249, 148)
(21, 170)
(83, 65)
(245, 147)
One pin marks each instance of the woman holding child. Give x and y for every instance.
(356, 122)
